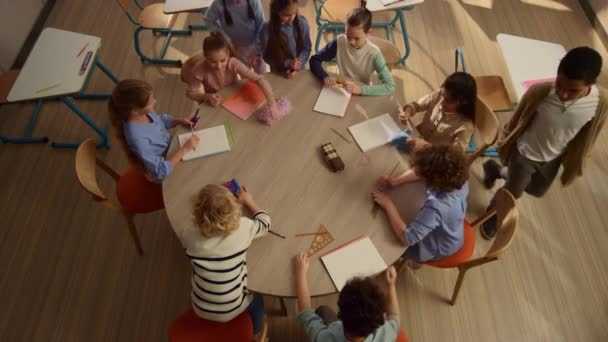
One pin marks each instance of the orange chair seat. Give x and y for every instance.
(137, 194)
(191, 328)
(402, 337)
(462, 255)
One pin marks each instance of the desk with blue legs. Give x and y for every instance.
(54, 72)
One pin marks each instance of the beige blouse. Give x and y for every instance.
(439, 127)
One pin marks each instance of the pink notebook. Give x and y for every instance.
(245, 101)
(527, 84)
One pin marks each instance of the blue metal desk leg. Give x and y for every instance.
(406, 38)
(103, 142)
(27, 137)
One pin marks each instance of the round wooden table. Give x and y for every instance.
(284, 170)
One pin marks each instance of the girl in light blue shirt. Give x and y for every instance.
(142, 132)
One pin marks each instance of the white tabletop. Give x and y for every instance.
(177, 6)
(377, 6)
(283, 169)
(529, 59)
(54, 61)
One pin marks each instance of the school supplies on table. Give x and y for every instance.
(332, 101)
(245, 101)
(212, 141)
(85, 63)
(283, 107)
(82, 50)
(527, 84)
(196, 116)
(48, 88)
(331, 157)
(233, 186)
(400, 141)
(341, 135)
(322, 239)
(374, 132)
(389, 2)
(358, 258)
(276, 234)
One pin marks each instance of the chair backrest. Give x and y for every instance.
(335, 11)
(190, 328)
(6, 83)
(390, 52)
(486, 123)
(507, 222)
(188, 65)
(86, 168)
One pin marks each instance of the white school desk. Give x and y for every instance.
(178, 6)
(529, 59)
(283, 168)
(53, 71)
(377, 6)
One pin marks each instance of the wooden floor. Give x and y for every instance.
(71, 273)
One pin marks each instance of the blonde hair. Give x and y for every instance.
(216, 211)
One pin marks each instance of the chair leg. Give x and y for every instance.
(262, 336)
(144, 58)
(461, 273)
(133, 231)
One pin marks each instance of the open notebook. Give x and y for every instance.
(332, 101)
(356, 258)
(374, 132)
(212, 141)
(246, 100)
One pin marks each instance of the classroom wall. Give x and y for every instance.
(16, 21)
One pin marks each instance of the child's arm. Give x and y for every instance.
(326, 54)
(302, 291)
(406, 177)
(249, 74)
(305, 53)
(397, 224)
(423, 103)
(464, 136)
(156, 165)
(261, 220)
(392, 304)
(388, 84)
(214, 16)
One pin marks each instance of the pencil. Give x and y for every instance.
(49, 87)
(340, 134)
(277, 234)
(82, 50)
(307, 234)
(192, 131)
(394, 169)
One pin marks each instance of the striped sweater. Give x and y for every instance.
(219, 277)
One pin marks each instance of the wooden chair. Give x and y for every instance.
(191, 328)
(486, 124)
(390, 52)
(507, 220)
(188, 65)
(7, 80)
(152, 18)
(135, 193)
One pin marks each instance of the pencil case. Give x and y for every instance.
(265, 116)
(233, 186)
(331, 157)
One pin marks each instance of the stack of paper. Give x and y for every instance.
(332, 101)
(358, 258)
(375, 132)
(212, 141)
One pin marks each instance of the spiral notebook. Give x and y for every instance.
(358, 258)
(213, 140)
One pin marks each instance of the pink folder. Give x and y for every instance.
(245, 101)
(527, 84)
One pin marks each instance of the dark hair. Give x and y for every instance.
(444, 168)
(462, 87)
(361, 305)
(277, 50)
(228, 17)
(127, 95)
(581, 63)
(216, 41)
(360, 16)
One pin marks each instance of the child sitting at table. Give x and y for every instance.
(449, 115)
(142, 132)
(357, 58)
(365, 313)
(438, 229)
(241, 21)
(217, 244)
(219, 69)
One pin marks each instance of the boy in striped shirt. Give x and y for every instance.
(217, 248)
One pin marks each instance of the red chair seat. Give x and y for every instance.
(191, 328)
(137, 194)
(402, 337)
(462, 255)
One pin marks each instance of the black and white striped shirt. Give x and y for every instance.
(219, 277)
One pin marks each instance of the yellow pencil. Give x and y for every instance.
(49, 87)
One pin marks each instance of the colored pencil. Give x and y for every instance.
(82, 50)
(276, 234)
(48, 88)
(341, 135)
(308, 234)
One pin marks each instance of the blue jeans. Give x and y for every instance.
(256, 311)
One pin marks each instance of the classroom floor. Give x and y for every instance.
(70, 271)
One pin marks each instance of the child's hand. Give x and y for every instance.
(302, 264)
(296, 64)
(352, 88)
(292, 74)
(330, 81)
(255, 60)
(381, 198)
(386, 182)
(406, 115)
(183, 121)
(274, 110)
(244, 197)
(417, 144)
(391, 276)
(213, 99)
(192, 142)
